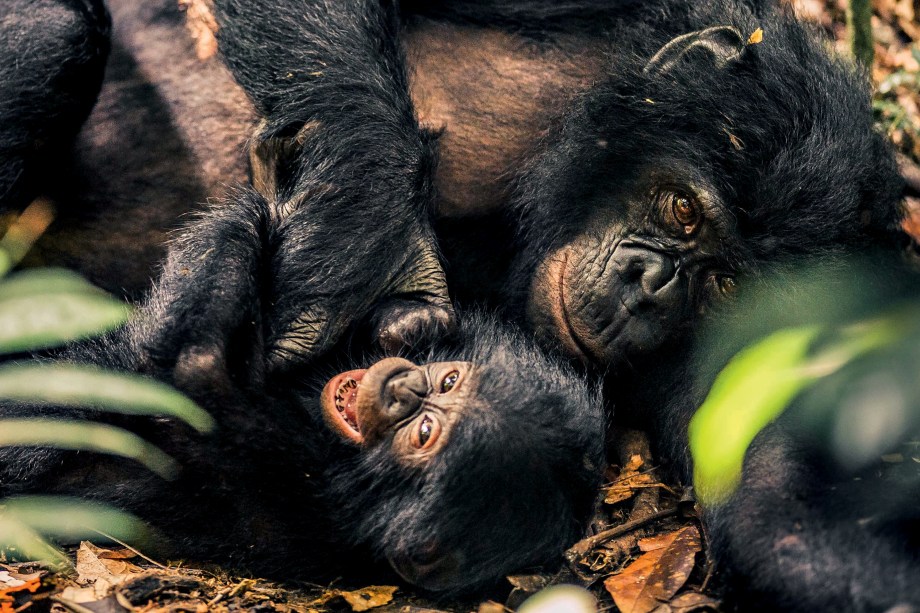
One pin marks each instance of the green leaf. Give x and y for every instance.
(70, 518)
(77, 385)
(19, 541)
(48, 308)
(86, 436)
(760, 382)
(42, 281)
(749, 393)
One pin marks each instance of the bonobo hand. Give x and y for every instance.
(203, 322)
(342, 155)
(337, 260)
(401, 323)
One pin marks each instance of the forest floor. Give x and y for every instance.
(648, 552)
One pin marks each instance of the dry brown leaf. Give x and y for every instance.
(7, 599)
(692, 602)
(656, 575)
(8, 581)
(629, 481)
(369, 597)
(911, 222)
(111, 566)
(656, 541)
(14, 574)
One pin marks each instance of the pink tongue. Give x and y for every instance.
(349, 409)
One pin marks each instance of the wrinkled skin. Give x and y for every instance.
(675, 197)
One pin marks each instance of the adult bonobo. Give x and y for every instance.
(651, 154)
(483, 459)
(720, 142)
(655, 153)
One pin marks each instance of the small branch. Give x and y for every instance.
(582, 547)
(859, 31)
(130, 548)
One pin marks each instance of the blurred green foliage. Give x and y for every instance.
(760, 382)
(859, 31)
(835, 341)
(47, 308)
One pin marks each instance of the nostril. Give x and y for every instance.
(646, 268)
(402, 394)
(659, 271)
(634, 271)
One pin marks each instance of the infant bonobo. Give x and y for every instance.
(479, 458)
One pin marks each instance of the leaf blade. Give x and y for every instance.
(85, 436)
(81, 385)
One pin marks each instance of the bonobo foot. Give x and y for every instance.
(379, 265)
(400, 324)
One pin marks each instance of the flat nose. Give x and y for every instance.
(644, 268)
(403, 393)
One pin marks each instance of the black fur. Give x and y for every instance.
(779, 136)
(804, 531)
(776, 141)
(54, 57)
(272, 489)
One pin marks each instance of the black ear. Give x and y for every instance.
(723, 44)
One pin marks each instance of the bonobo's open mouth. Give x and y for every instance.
(340, 400)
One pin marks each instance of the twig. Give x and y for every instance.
(73, 606)
(583, 546)
(130, 548)
(220, 596)
(242, 586)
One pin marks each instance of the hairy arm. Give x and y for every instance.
(340, 149)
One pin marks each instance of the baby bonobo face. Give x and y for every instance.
(417, 404)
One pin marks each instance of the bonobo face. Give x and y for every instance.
(640, 272)
(414, 407)
(483, 461)
(708, 157)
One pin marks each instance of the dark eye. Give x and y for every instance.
(426, 432)
(685, 211)
(726, 285)
(449, 381)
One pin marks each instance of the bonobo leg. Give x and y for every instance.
(796, 538)
(330, 80)
(799, 533)
(52, 60)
